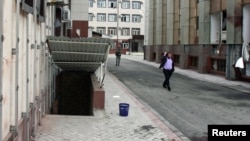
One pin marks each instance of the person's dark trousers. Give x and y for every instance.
(118, 59)
(167, 74)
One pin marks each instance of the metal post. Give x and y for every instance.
(54, 82)
(17, 67)
(61, 32)
(1, 56)
(49, 84)
(117, 42)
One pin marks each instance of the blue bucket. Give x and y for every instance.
(123, 108)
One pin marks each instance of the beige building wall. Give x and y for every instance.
(151, 23)
(204, 22)
(30, 80)
(79, 10)
(164, 22)
(170, 21)
(234, 22)
(173, 22)
(158, 22)
(185, 9)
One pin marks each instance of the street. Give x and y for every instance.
(191, 105)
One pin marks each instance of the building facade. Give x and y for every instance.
(204, 35)
(27, 71)
(122, 20)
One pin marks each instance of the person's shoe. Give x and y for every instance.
(169, 88)
(164, 86)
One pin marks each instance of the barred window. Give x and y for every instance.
(126, 5)
(112, 31)
(135, 31)
(101, 3)
(125, 32)
(136, 5)
(136, 18)
(101, 17)
(101, 30)
(112, 17)
(90, 3)
(112, 3)
(125, 18)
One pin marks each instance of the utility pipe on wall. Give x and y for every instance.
(17, 67)
(1, 56)
(27, 76)
(34, 64)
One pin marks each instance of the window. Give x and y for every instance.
(193, 61)
(125, 32)
(224, 21)
(125, 4)
(101, 3)
(136, 5)
(135, 31)
(112, 17)
(40, 12)
(176, 59)
(136, 18)
(101, 30)
(91, 15)
(112, 31)
(218, 65)
(197, 22)
(112, 3)
(101, 17)
(125, 18)
(90, 3)
(27, 6)
(125, 45)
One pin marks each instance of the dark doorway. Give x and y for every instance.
(58, 21)
(74, 93)
(134, 47)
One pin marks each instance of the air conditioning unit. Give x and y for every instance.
(66, 15)
(69, 25)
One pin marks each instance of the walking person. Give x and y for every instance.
(167, 64)
(118, 57)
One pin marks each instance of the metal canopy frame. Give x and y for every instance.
(80, 54)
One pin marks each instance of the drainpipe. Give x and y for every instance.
(1, 65)
(27, 75)
(34, 71)
(49, 84)
(16, 52)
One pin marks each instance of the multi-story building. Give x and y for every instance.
(204, 35)
(122, 20)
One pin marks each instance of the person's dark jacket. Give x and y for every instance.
(118, 54)
(163, 61)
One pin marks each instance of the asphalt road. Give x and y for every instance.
(191, 105)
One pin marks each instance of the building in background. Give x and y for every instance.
(122, 20)
(71, 18)
(204, 35)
